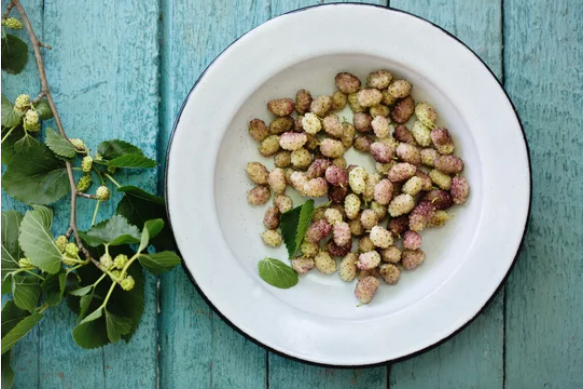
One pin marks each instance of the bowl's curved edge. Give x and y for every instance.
(405, 357)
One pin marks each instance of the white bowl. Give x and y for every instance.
(217, 232)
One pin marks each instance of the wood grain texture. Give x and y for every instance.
(104, 87)
(197, 348)
(543, 59)
(25, 355)
(473, 358)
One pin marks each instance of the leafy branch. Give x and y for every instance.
(100, 273)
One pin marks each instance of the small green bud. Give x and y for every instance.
(61, 243)
(78, 143)
(128, 283)
(115, 274)
(98, 157)
(71, 249)
(21, 103)
(84, 183)
(87, 164)
(102, 193)
(69, 261)
(12, 23)
(111, 169)
(106, 261)
(120, 261)
(24, 263)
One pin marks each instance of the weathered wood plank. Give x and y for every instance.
(285, 373)
(24, 360)
(103, 87)
(543, 57)
(197, 348)
(474, 357)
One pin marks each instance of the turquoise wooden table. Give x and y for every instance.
(122, 69)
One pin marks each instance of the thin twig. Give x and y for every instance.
(37, 99)
(86, 195)
(36, 45)
(48, 47)
(8, 9)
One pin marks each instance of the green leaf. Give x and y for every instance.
(150, 230)
(294, 224)
(7, 372)
(59, 145)
(111, 149)
(9, 116)
(160, 262)
(116, 326)
(130, 304)
(91, 332)
(19, 331)
(11, 316)
(277, 273)
(36, 176)
(38, 242)
(44, 110)
(26, 292)
(114, 231)
(138, 206)
(84, 304)
(11, 252)
(8, 151)
(14, 54)
(53, 287)
(132, 161)
(81, 291)
(24, 144)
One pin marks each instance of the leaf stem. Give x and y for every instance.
(112, 180)
(42, 308)
(86, 195)
(99, 175)
(95, 213)
(7, 134)
(34, 274)
(8, 9)
(105, 301)
(99, 280)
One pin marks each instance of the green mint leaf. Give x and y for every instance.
(294, 224)
(115, 231)
(14, 54)
(137, 161)
(11, 252)
(8, 151)
(150, 230)
(160, 262)
(24, 144)
(116, 326)
(53, 287)
(138, 206)
(11, 316)
(111, 149)
(277, 273)
(38, 242)
(9, 116)
(19, 331)
(81, 291)
(7, 372)
(36, 176)
(59, 145)
(26, 292)
(44, 110)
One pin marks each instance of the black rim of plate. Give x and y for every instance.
(416, 353)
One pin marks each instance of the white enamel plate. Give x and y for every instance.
(217, 232)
